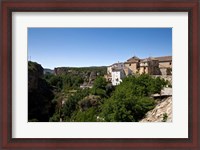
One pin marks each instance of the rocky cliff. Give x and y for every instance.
(161, 113)
(35, 71)
(40, 95)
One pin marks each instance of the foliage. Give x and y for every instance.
(71, 82)
(72, 103)
(126, 108)
(56, 81)
(89, 101)
(130, 101)
(78, 70)
(66, 82)
(165, 116)
(59, 96)
(99, 87)
(55, 118)
(90, 115)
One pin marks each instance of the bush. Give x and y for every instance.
(55, 118)
(90, 115)
(165, 116)
(131, 99)
(99, 87)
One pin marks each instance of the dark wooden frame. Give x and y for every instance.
(9, 6)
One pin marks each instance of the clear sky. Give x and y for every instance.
(81, 47)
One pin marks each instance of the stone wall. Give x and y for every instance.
(132, 67)
(165, 65)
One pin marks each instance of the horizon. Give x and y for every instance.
(86, 66)
(95, 47)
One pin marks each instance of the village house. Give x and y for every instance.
(135, 65)
(132, 65)
(117, 75)
(110, 68)
(119, 65)
(149, 65)
(165, 65)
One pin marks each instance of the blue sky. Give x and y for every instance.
(82, 47)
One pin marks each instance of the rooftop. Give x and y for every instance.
(164, 58)
(135, 59)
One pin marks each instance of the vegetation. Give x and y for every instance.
(59, 97)
(130, 101)
(165, 116)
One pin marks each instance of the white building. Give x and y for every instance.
(117, 76)
(118, 65)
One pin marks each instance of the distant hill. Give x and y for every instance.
(48, 71)
(88, 74)
(77, 70)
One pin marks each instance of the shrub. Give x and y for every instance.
(130, 101)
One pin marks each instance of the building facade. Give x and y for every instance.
(165, 65)
(132, 64)
(117, 76)
(151, 65)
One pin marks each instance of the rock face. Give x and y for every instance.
(35, 71)
(161, 113)
(61, 70)
(89, 101)
(40, 95)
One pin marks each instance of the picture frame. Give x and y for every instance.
(10, 6)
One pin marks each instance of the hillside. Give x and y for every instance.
(87, 74)
(75, 70)
(61, 96)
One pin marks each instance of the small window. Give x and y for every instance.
(129, 64)
(170, 63)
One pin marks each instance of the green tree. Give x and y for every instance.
(56, 81)
(131, 99)
(90, 115)
(71, 105)
(99, 87)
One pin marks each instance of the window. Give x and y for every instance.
(170, 63)
(129, 64)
